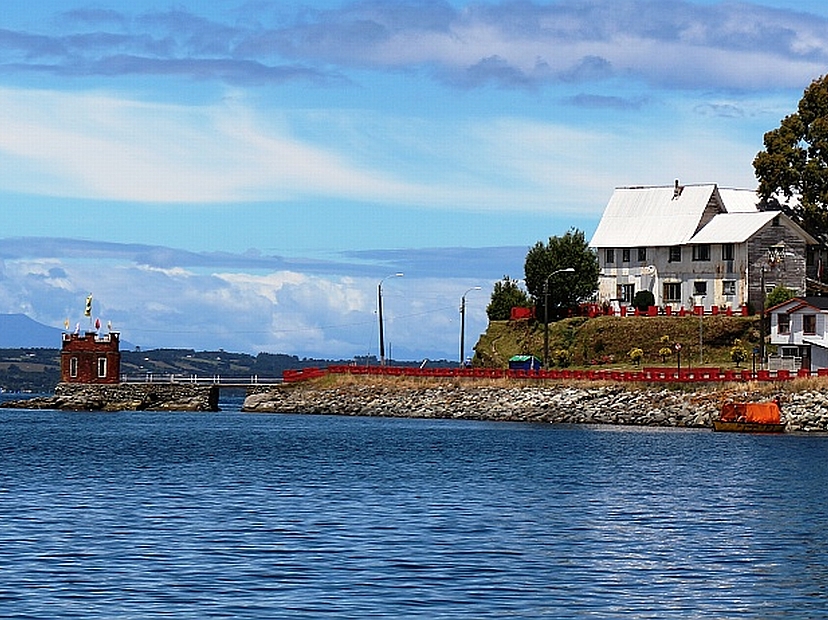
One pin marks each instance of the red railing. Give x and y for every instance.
(644, 375)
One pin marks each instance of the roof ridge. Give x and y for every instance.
(666, 186)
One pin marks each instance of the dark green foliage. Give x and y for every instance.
(505, 296)
(643, 300)
(566, 290)
(778, 295)
(794, 162)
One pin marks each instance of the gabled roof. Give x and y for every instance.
(672, 215)
(652, 216)
(733, 227)
(797, 303)
(739, 200)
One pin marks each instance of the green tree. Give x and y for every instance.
(794, 163)
(778, 295)
(505, 296)
(566, 290)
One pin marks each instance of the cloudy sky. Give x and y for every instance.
(242, 175)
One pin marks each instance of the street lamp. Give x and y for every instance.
(546, 312)
(379, 314)
(463, 322)
(701, 329)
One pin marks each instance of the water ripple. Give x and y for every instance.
(230, 515)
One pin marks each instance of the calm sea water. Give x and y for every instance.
(232, 515)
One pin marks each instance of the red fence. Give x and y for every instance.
(594, 310)
(646, 375)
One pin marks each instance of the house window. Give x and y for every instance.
(73, 367)
(810, 256)
(727, 251)
(609, 255)
(700, 287)
(626, 292)
(701, 252)
(675, 254)
(783, 325)
(776, 221)
(809, 324)
(728, 287)
(672, 291)
(101, 367)
(642, 255)
(625, 255)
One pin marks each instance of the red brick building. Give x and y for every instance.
(90, 358)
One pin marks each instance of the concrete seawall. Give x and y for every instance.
(552, 403)
(125, 397)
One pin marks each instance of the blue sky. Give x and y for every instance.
(241, 175)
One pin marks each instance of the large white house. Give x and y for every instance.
(698, 245)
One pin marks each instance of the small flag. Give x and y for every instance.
(97, 323)
(88, 311)
(66, 324)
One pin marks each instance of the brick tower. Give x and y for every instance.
(90, 358)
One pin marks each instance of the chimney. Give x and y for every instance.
(677, 190)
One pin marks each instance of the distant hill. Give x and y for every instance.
(18, 331)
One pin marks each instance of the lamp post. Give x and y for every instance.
(701, 335)
(546, 312)
(762, 317)
(379, 314)
(463, 323)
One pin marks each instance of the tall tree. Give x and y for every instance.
(505, 296)
(566, 290)
(794, 164)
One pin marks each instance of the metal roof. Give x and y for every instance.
(657, 217)
(651, 216)
(739, 200)
(733, 227)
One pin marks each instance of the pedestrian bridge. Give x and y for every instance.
(217, 380)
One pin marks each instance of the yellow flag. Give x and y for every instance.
(89, 305)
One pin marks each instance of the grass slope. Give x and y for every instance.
(607, 340)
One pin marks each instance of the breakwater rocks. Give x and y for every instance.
(552, 403)
(125, 397)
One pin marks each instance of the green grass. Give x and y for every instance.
(608, 340)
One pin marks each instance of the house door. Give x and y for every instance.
(805, 353)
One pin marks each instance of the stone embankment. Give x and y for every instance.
(125, 397)
(553, 403)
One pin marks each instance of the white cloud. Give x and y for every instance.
(98, 146)
(278, 312)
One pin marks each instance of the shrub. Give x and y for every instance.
(738, 353)
(643, 300)
(636, 355)
(562, 357)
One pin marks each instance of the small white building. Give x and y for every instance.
(698, 245)
(799, 329)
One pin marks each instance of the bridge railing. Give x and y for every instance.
(179, 378)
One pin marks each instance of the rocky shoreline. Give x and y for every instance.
(124, 397)
(804, 409)
(557, 403)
